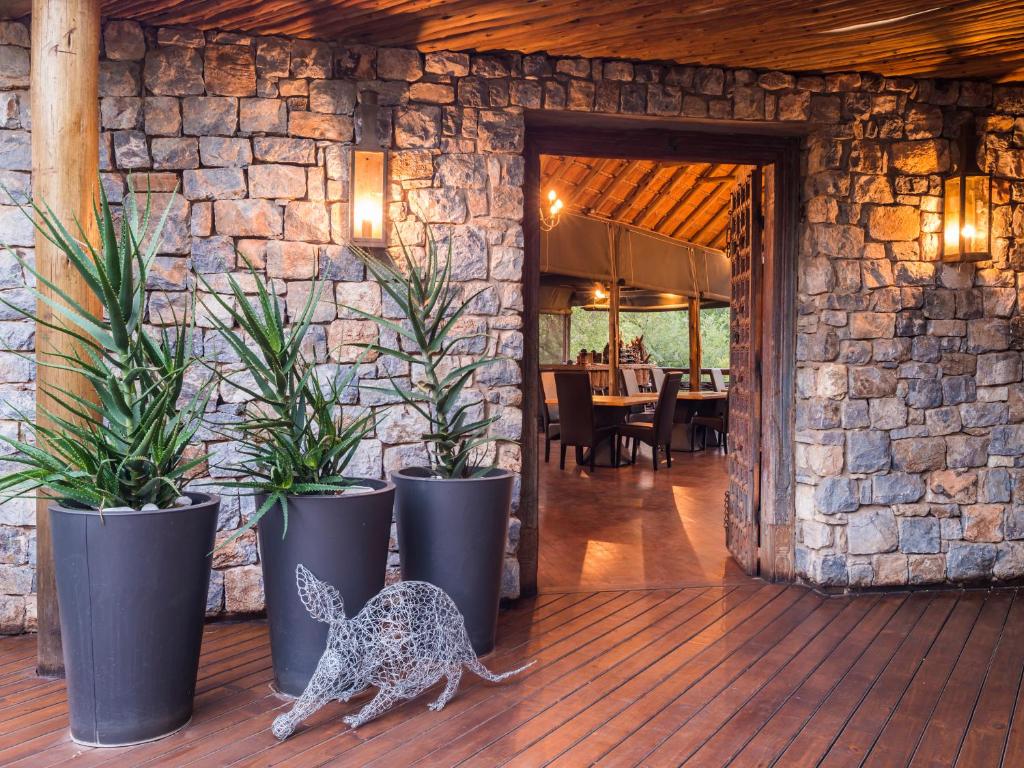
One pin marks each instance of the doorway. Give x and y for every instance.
(750, 489)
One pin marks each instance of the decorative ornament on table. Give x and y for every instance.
(402, 642)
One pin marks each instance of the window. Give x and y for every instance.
(666, 335)
(552, 339)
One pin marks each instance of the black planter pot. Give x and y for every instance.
(132, 589)
(343, 540)
(452, 534)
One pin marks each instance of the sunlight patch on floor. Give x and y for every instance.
(603, 556)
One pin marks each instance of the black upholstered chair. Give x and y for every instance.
(549, 413)
(632, 387)
(577, 422)
(657, 433)
(717, 422)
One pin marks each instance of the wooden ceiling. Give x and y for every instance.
(978, 38)
(684, 201)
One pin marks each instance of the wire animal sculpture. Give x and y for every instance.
(404, 640)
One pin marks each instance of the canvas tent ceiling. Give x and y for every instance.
(598, 251)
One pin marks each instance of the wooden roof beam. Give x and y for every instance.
(615, 180)
(630, 200)
(675, 209)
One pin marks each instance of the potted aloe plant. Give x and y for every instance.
(295, 446)
(131, 546)
(452, 514)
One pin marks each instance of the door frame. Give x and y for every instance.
(760, 144)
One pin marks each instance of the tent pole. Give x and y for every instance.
(695, 347)
(65, 176)
(613, 313)
(613, 338)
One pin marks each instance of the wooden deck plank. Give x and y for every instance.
(223, 715)
(747, 675)
(572, 672)
(768, 734)
(816, 734)
(858, 735)
(952, 714)
(671, 727)
(768, 684)
(986, 736)
(473, 716)
(327, 734)
(574, 716)
(899, 737)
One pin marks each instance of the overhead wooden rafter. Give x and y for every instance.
(984, 38)
(685, 201)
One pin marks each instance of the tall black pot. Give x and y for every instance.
(452, 534)
(132, 590)
(343, 540)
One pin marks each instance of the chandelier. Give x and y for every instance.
(551, 211)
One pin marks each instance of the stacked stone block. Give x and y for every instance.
(910, 402)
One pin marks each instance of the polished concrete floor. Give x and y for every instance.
(632, 527)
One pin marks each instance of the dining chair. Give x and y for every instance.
(718, 422)
(659, 378)
(577, 422)
(549, 413)
(657, 433)
(718, 380)
(630, 380)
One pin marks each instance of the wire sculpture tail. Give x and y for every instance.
(474, 665)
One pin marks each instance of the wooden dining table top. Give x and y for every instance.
(625, 401)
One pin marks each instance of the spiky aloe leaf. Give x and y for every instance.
(128, 451)
(431, 306)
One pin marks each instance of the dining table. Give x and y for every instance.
(616, 409)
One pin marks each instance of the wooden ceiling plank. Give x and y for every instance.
(677, 206)
(984, 38)
(657, 195)
(642, 185)
(617, 178)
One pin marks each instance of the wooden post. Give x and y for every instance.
(613, 338)
(65, 168)
(696, 353)
(613, 311)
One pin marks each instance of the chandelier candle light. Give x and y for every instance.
(551, 211)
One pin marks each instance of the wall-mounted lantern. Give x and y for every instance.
(369, 179)
(967, 212)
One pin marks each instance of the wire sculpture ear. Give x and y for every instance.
(323, 601)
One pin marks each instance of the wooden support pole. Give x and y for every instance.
(696, 354)
(613, 338)
(613, 311)
(65, 172)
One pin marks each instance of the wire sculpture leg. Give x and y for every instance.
(310, 702)
(355, 689)
(382, 701)
(451, 686)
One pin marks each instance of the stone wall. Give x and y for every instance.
(909, 400)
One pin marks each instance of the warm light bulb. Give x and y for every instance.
(368, 216)
(599, 293)
(551, 195)
(968, 231)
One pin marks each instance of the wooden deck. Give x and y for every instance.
(747, 674)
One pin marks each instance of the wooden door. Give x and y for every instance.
(742, 501)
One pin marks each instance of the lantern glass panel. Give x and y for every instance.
(975, 226)
(368, 181)
(951, 216)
